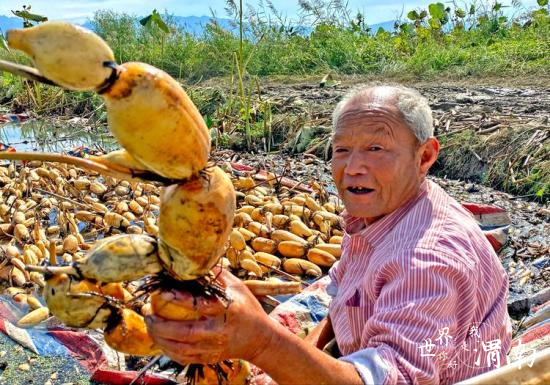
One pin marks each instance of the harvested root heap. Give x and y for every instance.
(164, 139)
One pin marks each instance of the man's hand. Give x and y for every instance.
(238, 330)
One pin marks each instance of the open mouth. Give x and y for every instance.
(359, 190)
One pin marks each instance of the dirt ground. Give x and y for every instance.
(494, 131)
(464, 104)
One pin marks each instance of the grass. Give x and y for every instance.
(515, 160)
(489, 48)
(331, 39)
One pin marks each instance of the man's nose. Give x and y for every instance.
(355, 164)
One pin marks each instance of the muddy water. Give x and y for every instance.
(47, 136)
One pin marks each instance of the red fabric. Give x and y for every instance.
(82, 348)
(6, 314)
(241, 167)
(497, 245)
(5, 118)
(91, 357)
(6, 148)
(289, 321)
(535, 334)
(537, 308)
(479, 209)
(115, 377)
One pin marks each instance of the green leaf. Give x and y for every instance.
(434, 23)
(459, 12)
(423, 14)
(146, 20)
(30, 16)
(160, 23)
(423, 33)
(540, 193)
(381, 32)
(542, 3)
(502, 19)
(413, 15)
(483, 20)
(497, 7)
(437, 10)
(209, 121)
(472, 10)
(156, 18)
(3, 42)
(406, 28)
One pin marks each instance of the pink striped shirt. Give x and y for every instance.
(421, 295)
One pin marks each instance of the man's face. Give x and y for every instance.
(376, 160)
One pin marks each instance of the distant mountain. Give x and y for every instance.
(386, 25)
(195, 24)
(192, 24)
(7, 22)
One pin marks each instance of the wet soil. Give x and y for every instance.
(492, 132)
(456, 106)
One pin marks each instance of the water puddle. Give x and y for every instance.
(45, 136)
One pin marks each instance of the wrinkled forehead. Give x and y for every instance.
(366, 113)
(382, 96)
(376, 111)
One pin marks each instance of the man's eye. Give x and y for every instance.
(375, 148)
(340, 150)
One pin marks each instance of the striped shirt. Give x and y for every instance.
(419, 295)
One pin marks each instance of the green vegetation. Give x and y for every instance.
(438, 41)
(476, 40)
(516, 160)
(456, 41)
(441, 41)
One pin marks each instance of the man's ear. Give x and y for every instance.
(428, 154)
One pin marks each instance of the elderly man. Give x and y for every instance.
(419, 296)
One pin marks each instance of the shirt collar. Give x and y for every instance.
(374, 233)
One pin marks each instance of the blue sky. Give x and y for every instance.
(375, 10)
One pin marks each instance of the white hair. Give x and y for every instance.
(413, 107)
